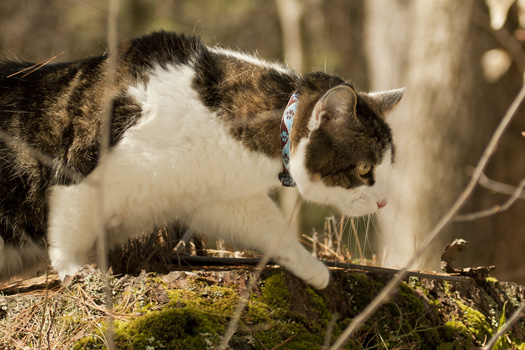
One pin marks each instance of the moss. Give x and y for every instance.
(283, 312)
(185, 328)
(90, 342)
(359, 293)
(318, 302)
(447, 287)
(192, 319)
(275, 292)
(257, 312)
(491, 280)
(475, 322)
(456, 327)
(455, 345)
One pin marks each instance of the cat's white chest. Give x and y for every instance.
(187, 146)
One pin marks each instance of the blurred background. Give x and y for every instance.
(462, 62)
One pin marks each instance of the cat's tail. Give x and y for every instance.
(21, 260)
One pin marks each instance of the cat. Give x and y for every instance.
(197, 136)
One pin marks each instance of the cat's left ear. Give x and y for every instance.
(336, 104)
(384, 101)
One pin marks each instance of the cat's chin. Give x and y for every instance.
(353, 203)
(355, 212)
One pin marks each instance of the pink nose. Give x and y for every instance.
(381, 204)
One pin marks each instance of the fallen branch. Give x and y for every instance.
(192, 260)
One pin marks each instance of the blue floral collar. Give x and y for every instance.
(286, 129)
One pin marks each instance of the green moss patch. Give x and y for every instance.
(192, 310)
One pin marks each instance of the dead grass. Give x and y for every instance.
(59, 317)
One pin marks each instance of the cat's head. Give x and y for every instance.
(342, 150)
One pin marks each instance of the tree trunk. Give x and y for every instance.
(442, 124)
(290, 14)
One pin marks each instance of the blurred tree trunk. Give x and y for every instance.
(290, 14)
(441, 126)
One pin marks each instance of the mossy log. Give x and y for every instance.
(192, 309)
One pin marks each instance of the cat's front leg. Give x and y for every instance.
(72, 232)
(256, 223)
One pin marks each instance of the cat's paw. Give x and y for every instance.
(68, 271)
(318, 275)
(63, 264)
(310, 270)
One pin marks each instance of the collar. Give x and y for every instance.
(286, 130)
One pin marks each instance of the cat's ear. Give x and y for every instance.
(384, 101)
(339, 102)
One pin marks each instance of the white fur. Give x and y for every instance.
(251, 59)
(357, 201)
(178, 163)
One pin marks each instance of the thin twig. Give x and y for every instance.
(445, 220)
(515, 317)
(289, 339)
(494, 210)
(329, 330)
(46, 300)
(111, 78)
(232, 327)
(361, 256)
(495, 186)
(35, 67)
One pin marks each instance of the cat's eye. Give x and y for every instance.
(364, 169)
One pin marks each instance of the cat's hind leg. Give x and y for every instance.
(256, 223)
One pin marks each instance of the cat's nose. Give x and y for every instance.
(381, 204)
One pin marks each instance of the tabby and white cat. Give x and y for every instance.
(196, 137)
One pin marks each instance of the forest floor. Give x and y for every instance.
(190, 308)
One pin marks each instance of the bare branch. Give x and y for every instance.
(232, 327)
(496, 186)
(445, 220)
(496, 209)
(102, 248)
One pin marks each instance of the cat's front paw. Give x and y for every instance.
(310, 270)
(63, 265)
(318, 276)
(70, 271)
